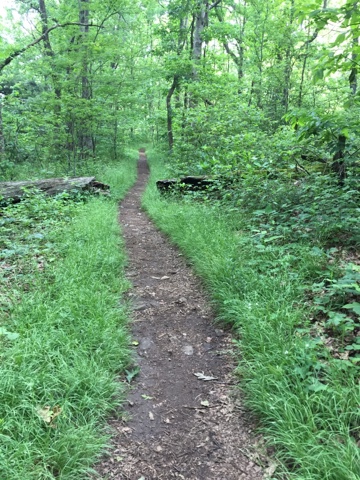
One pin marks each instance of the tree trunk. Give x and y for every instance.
(239, 58)
(201, 20)
(171, 91)
(86, 143)
(338, 166)
(2, 138)
(49, 52)
(354, 57)
(288, 59)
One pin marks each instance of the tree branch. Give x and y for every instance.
(215, 4)
(17, 53)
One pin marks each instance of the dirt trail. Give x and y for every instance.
(179, 426)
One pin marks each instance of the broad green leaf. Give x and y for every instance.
(355, 307)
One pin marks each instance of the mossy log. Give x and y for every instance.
(14, 191)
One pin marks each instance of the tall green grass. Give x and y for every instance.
(308, 408)
(68, 344)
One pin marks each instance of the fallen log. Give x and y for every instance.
(14, 191)
(189, 183)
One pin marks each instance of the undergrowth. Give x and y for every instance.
(271, 287)
(63, 331)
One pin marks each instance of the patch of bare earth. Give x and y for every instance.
(185, 417)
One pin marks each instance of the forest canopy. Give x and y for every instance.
(257, 87)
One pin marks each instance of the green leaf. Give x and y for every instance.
(339, 39)
(353, 346)
(355, 307)
(8, 335)
(318, 74)
(317, 386)
(345, 132)
(130, 374)
(269, 209)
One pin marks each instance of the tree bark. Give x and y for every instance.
(200, 22)
(49, 51)
(338, 165)
(354, 56)
(2, 138)
(288, 59)
(239, 58)
(86, 141)
(171, 91)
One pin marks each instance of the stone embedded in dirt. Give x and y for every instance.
(181, 300)
(153, 303)
(145, 344)
(131, 274)
(218, 332)
(188, 350)
(139, 306)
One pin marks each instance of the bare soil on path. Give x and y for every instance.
(179, 425)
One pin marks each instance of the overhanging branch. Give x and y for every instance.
(17, 53)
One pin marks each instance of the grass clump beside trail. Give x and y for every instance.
(62, 331)
(306, 397)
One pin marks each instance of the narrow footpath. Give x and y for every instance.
(184, 415)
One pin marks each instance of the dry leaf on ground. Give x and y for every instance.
(202, 376)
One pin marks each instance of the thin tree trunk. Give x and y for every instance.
(49, 52)
(86, 142)
(200, 22)
(339, 165)
(171, 91)
(2, 138)
(302, 80)
(288, 58)
(252, 90)
(354, 57)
